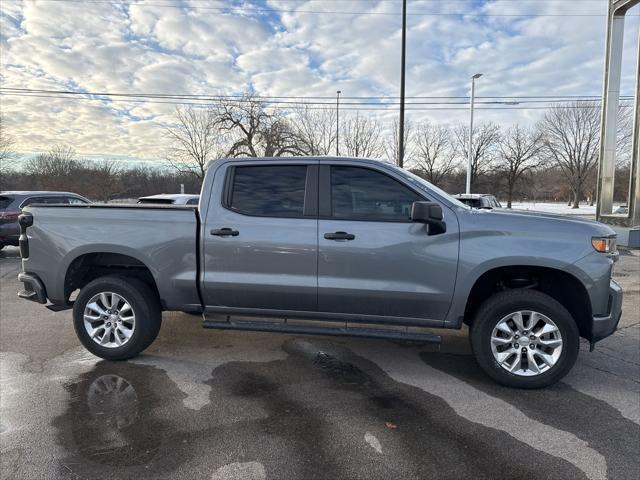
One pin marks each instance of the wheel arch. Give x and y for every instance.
(563, 286)
(88, 266)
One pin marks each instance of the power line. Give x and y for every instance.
(350, 1)
(244, 9)
(314, 106)
(293, 99)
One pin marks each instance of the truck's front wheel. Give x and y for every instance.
(524, 339)
(116, 318)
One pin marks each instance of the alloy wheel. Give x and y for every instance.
(526, 343)
(109, 319)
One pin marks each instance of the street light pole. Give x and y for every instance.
(338, 123)
(402, 69)
(470, 156)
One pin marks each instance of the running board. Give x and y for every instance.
(310, 329)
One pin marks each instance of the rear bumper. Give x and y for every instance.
(33, 288)
(603, 326)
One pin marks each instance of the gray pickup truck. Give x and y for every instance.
(333, 246)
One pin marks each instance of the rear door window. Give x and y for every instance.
(57, 200)
(32, 200)
(269, 191)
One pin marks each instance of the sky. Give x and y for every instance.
(297, 48)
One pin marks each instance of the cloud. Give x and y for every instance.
(196, 48)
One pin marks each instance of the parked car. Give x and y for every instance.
(12, 203)
(171, 199)
(351, 241)
(479, 200)
(622, 210)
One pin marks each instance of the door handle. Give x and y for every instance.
(225, 232)
(339, 236)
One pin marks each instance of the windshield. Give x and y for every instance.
(472, 202)
(413, 178)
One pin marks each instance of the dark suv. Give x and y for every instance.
(12, 203)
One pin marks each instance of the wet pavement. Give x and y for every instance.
(243, 405)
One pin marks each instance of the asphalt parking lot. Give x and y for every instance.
(206, 404)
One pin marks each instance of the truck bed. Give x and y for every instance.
(161, 237)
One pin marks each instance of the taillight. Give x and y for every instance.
(9, 217)
(25, 220)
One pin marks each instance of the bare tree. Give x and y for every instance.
(571, 136)
(100, 180)
(7, 144)
(194, 139)
(624, 136)
(485, 142)
(106, 179)
(315, 130)
(434, 154)
(391, 144)
(254, 131)
(519, 150)
(361, 137)
(59, 161)
(56, 169)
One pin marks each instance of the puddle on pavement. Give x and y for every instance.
(307, 416)
(111, 418)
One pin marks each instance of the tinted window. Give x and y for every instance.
(75, 201)
(55, 200)
(32, 200)
(364, 194)
(472, 202)
(5, 202)
(274, 191)
(46, 200)
(193, 201)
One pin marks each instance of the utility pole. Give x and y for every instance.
(402, 68)
(338, 123)
(470, 156)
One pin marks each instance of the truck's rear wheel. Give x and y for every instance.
(524, 339)
(116, 318)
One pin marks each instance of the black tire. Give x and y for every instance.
(502, 304)
(145, 304)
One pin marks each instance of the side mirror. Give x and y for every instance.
(429, 213)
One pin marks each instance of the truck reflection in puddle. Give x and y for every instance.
(113, 402)
(111, 419)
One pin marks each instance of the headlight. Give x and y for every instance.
(604, 244)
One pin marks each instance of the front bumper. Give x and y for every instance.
(603, 326)
(33, 288)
